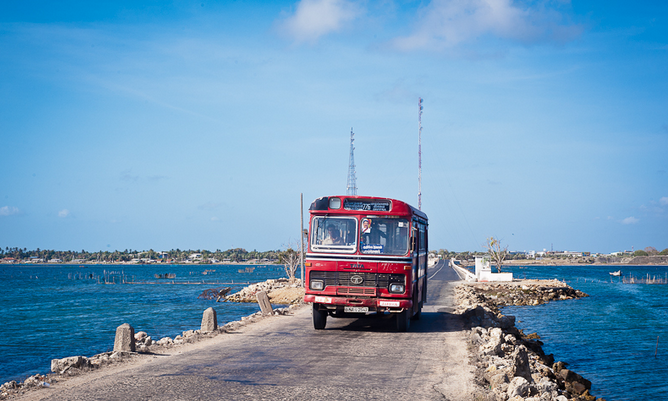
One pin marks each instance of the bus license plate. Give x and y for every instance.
(356, 309)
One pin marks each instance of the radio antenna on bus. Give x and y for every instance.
(352, 181)
(420, 155)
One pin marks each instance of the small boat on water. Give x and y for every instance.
(616, 274)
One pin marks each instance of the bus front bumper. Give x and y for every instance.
(374, 304)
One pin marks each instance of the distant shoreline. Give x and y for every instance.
(140, 264)
(616, 262)
(658, 260)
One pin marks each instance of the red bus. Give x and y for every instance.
(367, 256)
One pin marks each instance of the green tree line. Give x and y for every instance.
(234, 255)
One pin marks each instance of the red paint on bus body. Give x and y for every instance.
(366, 256)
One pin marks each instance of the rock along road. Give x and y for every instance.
(284, 358)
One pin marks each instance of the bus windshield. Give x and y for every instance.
(334, 234)
(384, 236)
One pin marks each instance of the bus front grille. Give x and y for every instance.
(357, 279)
(356, 291)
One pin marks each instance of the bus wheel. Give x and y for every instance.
(404, 320)
(319, 318)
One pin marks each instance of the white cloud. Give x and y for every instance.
(630, 220)
(316, 18)
(64, 213)
(445, 24)
(664, 201)
(9, 210)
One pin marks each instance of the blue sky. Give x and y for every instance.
(196, 125)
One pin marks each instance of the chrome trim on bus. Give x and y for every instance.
(361, 258)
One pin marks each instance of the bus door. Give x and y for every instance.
(419, 263)
(415, 254)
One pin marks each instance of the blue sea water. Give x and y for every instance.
(56, 311)
(611, 336)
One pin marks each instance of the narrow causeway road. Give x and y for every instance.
(284, 358)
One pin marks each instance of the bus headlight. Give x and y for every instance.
(397, 288)
(317, 285)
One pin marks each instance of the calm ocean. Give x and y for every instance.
(610, 337)
(57, 311)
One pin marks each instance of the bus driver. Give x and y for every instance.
(334, 237)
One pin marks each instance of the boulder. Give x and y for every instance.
(519, 386)
(499, 381)
(506, 322)
(557, 366)
(32, 381)
(140, 336)
(541, 370)
(165, 341)
(575, 388)
(475, 315)
(10, 385)
(520, 363)
(545, 385)
(507, 349)
(575, 384)
(61, 365)
(117, 356)
(510, 339)
(493, 345)
(475, 337)
(98, 360)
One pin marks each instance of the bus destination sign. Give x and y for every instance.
(367, 205)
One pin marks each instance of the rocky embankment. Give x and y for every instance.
(511, 365)
(279, 291)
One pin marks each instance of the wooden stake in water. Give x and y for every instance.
(657, 346)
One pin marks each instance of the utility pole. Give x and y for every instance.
(301, 238)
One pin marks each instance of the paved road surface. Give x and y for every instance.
(284, 358)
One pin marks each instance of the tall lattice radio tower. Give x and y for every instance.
(351, 188)
(420, 154)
